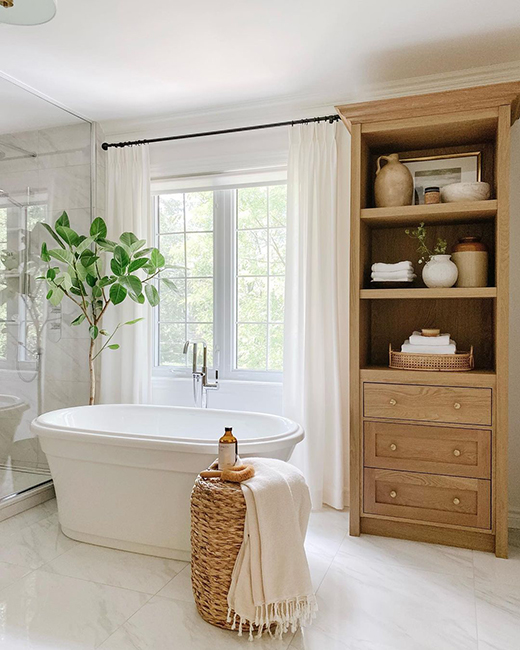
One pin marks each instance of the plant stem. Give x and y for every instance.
(92, 372)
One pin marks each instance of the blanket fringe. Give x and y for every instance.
(284, 615)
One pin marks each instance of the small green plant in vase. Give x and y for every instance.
(438, 271)
(98, 274)
(425, 254)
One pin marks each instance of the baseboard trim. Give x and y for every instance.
(26, 500)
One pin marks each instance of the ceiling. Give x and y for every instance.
(128, 59)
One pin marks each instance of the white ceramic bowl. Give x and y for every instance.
(465, 192)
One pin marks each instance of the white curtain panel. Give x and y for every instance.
(126, 374)
(315, 384)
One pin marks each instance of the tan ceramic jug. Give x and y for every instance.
(394, 183)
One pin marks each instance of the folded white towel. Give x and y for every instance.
(418, 339)
(429, 349)
(400, 275)
(399, 266)
(378, 278)
(271, 583)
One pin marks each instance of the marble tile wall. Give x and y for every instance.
(56, 172)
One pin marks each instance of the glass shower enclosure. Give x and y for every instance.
(45, 169)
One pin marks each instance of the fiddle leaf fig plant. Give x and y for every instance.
(97, 274)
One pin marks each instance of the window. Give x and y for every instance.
(225, 249)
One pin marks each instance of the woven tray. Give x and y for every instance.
(458, 362)
(218, 511)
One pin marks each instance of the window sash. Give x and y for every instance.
(224, 275)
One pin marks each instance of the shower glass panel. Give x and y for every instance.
(45, 169)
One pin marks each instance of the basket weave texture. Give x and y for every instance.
(461, 361)
(218, 511)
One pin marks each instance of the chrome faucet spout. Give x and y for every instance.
(200, 377)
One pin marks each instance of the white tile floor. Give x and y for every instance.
(373, 593)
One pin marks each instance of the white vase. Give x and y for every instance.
(440, 271)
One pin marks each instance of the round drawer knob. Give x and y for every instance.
(456, 501)
(456, 406)
(393, 447)
(456, 452)
(393, 494)
(393, 402)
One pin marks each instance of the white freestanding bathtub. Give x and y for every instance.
(123, 474)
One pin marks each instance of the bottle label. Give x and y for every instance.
(226, 455)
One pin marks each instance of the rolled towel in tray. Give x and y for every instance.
(418, 339)
(429, 349)
(385, 268)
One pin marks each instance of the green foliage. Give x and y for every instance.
(75, 272)
(425, 254)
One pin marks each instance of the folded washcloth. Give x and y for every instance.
(418, 339)
(385, 268)
(378, 278)
(271, 583)
(429, 349)
(398, 276)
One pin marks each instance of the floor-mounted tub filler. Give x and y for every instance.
(123, 474)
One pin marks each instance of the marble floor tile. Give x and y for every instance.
(497, 570)
(165, 624)
(35, 545)
(10, 573)
(312, 638)
(399, 552)
(52, 612)
(27, 517)
(402, 607)
(326, 532)
(109, 566)
(498, 615)
(179, 588)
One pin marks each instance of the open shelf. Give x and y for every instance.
(453, 292)
(463, 212)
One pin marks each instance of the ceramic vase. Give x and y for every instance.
(440, 271)
(394, 183)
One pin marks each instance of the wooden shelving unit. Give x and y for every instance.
(428, 450)
(464, 212)
(414, 294)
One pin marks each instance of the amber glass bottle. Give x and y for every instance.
(227, 449)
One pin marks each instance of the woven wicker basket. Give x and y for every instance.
(218, 511)
(459, 362)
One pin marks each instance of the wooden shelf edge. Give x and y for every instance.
(384, 374)
(406, 294)
(453, 212)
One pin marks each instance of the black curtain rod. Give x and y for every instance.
(132, 143)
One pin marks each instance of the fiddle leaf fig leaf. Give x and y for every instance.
(53, 234)
(62, 255)
(45, 253)
(152, 294)
(62, 221)
(98, 229)
(94, 332)
(68, 235)
(117, 293)
(137, 264)
(128, 238)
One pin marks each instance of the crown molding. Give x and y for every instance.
(300, 106)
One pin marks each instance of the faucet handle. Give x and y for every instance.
(215, 385)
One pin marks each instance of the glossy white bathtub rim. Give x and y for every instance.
(123, 474)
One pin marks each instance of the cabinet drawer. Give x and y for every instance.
(417, 448)
(427, 497)
(451, 404)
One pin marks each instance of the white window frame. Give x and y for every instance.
(224, 267)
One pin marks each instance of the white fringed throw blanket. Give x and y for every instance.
(271, 583)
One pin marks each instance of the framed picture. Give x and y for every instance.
(438, 171)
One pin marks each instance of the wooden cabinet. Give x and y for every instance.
(449, 404)
(436, 450)
(428, 497)
(428, 450)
